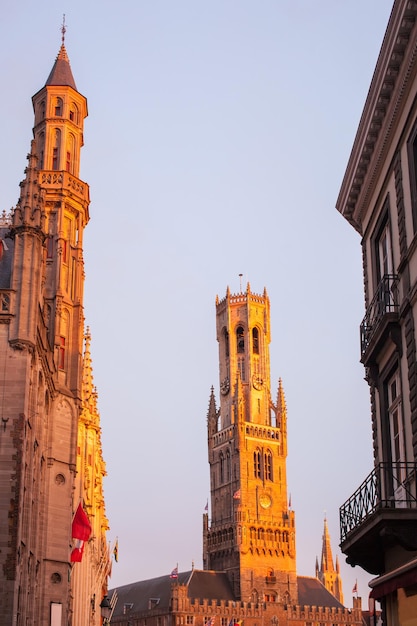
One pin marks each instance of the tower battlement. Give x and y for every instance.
(245, 297)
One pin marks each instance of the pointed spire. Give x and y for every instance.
(61, 73)
(89, 392)
(281, 406)
(30, 207)
(326, 552)
(212, 414)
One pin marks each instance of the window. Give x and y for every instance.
(241, 368)
(396, 430)
(73, 114)
(384, 252)
(228, 465)
(226, 343)
(61, 353)
(55, 150)
(58, 107)
(49, 247)
(257, 467)
(255, 341)
(221, 468)
(268, 465)
(240, 340)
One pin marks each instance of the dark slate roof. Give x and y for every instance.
(61, 73)
(209, 585)
(312, 592)
(6, 257)
(157, 591)
(206, 585)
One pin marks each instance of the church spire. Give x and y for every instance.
(329, 575)
(326, 551)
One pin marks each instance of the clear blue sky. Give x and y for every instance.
(216, 142)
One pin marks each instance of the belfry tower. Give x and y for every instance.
(251, 533)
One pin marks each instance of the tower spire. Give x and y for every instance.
(328, 575)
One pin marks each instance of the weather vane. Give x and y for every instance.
(63, 29)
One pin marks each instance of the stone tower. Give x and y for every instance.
(41, 365)
(328, 572)
(251, 533)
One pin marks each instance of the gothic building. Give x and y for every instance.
(50, 448)
(249, 546)
(378, 197)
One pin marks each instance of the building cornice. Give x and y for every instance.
(396, 65)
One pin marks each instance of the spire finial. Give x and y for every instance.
(63, 29)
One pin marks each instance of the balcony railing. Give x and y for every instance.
(385, 301)
(389, 485)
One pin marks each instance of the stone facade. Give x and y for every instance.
(45, 396)
(378, 197)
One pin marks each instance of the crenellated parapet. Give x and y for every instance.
(324, 615)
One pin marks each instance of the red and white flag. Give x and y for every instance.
(81, 531)
(355, 587)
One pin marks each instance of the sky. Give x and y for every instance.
(217, 139)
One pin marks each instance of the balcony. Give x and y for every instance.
(380, 514)
(381, 319)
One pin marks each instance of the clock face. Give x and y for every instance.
(265, 501)
(257, 382)
(225, 386)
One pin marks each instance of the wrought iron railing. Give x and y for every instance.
(385, 301)
(389, 485)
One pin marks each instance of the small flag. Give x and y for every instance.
(116, 551)
(81, 531)
(236, 495)
(355, 587)
(206, 507)
(174, 573)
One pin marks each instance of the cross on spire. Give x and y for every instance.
(63, 29)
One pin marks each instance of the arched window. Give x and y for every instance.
(226, 343)
(221, 467)
(56, 149)
(240, 340)
(255, 341)
(58, 107)
(63, 340)
(257, 467)
(41, 149)
(73, 114)
(69, 165)
(268, 465)
(228, 465)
